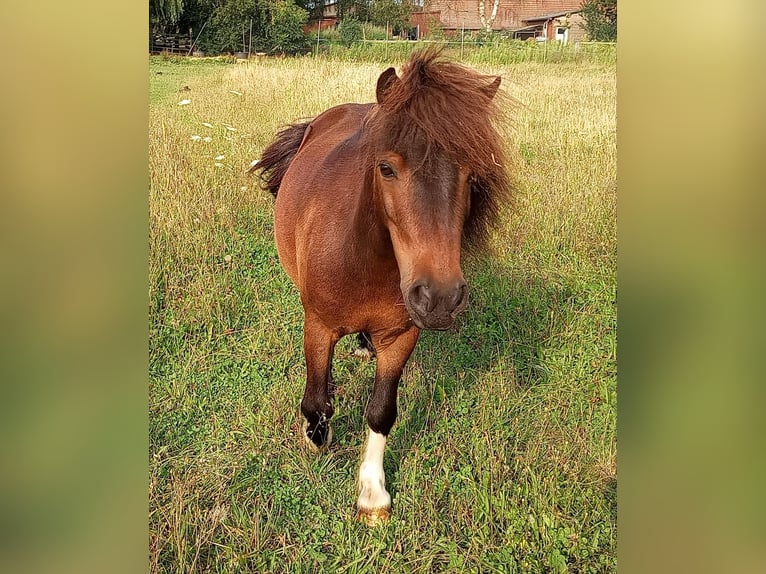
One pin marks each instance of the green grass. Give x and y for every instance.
(503, 458)
(493, 51)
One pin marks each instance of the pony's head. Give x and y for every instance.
(438, 174)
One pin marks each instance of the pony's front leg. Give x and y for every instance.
(374, 502)
(318, 345)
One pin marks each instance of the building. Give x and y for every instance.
(522, 19)
(453, 16)
(564, 27)
(329, 18)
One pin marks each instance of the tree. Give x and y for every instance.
(165, 12)
(315, 8)
(195, 14)
(600, 20)
(277, 25)
(229, 24)
(350, 30)
(487, 22)
(285, 30)
(395, 13)
(360, 9)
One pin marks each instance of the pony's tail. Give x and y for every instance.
(277, 156)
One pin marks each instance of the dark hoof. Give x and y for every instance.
(319, 437)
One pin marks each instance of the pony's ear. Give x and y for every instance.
(491, 89)
(386, 80)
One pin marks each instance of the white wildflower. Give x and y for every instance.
(207, 139)
(220, 157)
(207, 125)
(184, 102)
(235, 92)
(196, 138)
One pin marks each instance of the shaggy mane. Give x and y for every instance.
(454, 108)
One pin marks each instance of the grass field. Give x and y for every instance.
(503, 458)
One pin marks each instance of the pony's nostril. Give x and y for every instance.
(426, 299)
(421, 299)
(459, 295)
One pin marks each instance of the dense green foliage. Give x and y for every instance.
(224, 25)
(373, 32)
(284, 32)
(600, 20)
(165, 12)
(333, 34)
(392, 13)
(349, 30)
(360, 9)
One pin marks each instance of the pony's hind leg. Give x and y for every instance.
(318, 345)
(365, 350)
(374, 502)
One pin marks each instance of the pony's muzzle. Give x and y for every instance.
(435, 306)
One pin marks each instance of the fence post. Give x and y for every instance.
(462, 39)
(386, 40)
(319, 27)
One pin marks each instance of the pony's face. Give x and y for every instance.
(431, 137)
(424, 208)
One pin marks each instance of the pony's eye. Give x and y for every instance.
(386, 171)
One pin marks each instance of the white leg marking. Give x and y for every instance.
(363, 353)
(372, 480)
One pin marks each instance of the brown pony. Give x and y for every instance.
(373, 204)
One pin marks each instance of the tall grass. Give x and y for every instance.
(503, 456)
(494, 51)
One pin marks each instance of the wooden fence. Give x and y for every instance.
(170, 43)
